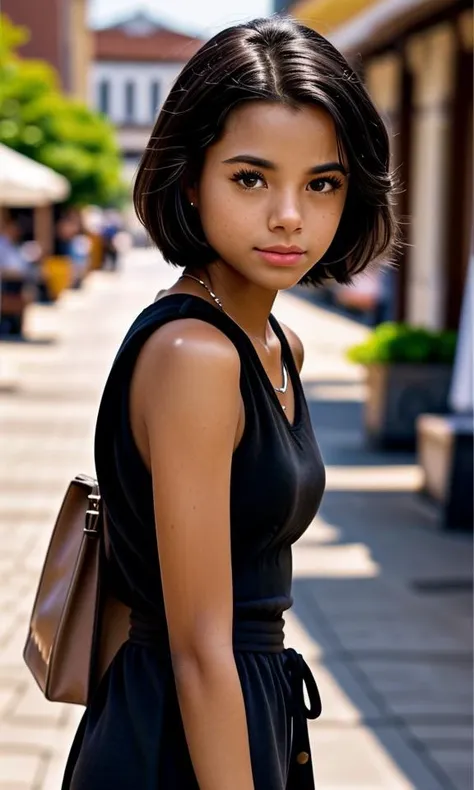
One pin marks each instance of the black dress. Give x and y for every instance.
(131, 736)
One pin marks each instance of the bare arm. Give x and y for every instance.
(187, 380)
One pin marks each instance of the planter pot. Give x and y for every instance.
(445, 454)
(397, 395)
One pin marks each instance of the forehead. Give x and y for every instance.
(305, 134)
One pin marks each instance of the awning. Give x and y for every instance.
(383, 22)
(26, 183)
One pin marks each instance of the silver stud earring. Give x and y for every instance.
(192, 204)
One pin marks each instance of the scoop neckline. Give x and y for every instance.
(285, 352)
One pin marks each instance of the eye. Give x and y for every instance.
(248, 179)
(325, 185)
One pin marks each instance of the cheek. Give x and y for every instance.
(224, 216)
(324, 227)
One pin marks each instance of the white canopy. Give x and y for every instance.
(26, 183)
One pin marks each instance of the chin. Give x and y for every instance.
(271, 278)
(280, 280)
(280, 277)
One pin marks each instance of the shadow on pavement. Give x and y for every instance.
(386, 595)
(28, 341)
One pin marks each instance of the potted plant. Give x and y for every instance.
(408, 374)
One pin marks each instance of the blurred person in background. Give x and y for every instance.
(92, 221)
(72, 242)
(111, 228)
(80, 250)
(67, 227)
(18, 275)
(12, 260)
(267, 167)
(79, 245)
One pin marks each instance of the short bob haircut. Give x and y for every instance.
(272, 60)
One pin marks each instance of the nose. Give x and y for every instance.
(285, 213)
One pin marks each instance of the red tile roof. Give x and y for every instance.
(141, 39)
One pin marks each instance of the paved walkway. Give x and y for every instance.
(381, 607)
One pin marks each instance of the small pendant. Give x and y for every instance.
(283, 407)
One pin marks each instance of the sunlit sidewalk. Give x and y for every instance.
(47, 437)
(392, 655)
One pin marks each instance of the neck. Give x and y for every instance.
(247, 303)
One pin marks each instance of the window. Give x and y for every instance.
(104, 96)
(129, 102)
(155, 98)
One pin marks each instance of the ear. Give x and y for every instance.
(189, 185)
(191, 194)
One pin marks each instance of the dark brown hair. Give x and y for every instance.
(275, 60)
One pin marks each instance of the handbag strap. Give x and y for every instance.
(96, 516)
(105, 532)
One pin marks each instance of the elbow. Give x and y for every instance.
(202, 662)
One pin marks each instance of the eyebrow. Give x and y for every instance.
(256, 161)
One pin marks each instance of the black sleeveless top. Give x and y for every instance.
(277, 482)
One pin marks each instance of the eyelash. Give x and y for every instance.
(336, 183)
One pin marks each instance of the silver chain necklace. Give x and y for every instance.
(218, 302)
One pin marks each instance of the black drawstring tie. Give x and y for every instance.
(300, 677)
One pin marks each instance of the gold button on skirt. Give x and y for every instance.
(302, 758)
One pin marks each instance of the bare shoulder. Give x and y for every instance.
(188, 351)
(295, 344)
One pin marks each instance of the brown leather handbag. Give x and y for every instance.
(76, 626)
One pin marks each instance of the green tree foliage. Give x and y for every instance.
(38, 120)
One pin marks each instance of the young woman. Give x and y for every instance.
(268, 166)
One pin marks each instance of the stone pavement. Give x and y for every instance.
(382, 606)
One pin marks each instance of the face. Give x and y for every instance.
(272, 192)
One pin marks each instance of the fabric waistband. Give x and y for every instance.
(253, 636)
(259, 636)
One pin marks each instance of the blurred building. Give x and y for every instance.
(417, 60)
(59, 35)
(135, 64)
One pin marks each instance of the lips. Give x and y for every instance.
(281, 256)
(281, 250)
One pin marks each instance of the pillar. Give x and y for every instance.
(431, 59)
(44, 228)
(383, 78)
